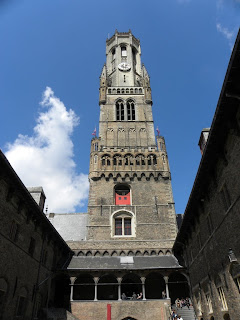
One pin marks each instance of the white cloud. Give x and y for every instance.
(227, 34)
(46, 158)
(228, 19)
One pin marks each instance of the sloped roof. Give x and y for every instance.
(121, 263)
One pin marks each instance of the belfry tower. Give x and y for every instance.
(131, 217)
(130, 198)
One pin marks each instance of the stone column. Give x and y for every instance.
(119, 288)
(143, 287)
(95, 287)
(72, 279)
(166, 282)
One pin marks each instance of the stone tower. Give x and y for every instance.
(130, 200)
(131, 216)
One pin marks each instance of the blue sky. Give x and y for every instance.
(52, 53)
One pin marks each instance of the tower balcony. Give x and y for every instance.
(126, 90)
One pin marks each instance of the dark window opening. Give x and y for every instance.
(118, 227)
(31, 248)
(127, 226)
(14, 231)
(21, 306)
(130, 110)
(123, 51)
(123, 191)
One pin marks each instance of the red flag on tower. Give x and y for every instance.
(94, 132)
(158, 131)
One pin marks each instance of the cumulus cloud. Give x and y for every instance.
(46, 158)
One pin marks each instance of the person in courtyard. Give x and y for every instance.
(124, 297)
(164, 295)
(178, 303)
(134, 296)
(139, 296)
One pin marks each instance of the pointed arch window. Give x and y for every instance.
(130, 110)
(119, 110)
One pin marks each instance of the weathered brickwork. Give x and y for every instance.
(143, 310)
(209, 237)
(30, 249)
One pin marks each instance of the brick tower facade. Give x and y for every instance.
(130, 198)
(131, 217)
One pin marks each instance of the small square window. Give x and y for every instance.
(125, 198)
(119, 198)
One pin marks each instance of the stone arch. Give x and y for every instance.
(178, 286)
(140, 159)
(117, 159)
(114, 254)
(81, 253)
(110, 176)
(130, 253)
(160, 253)
(168, 253)
(151, 159)
(146, 253)
(138, 253)
(131, 283)
(153, 253)
(97, 254)
(128, 159)
(108, 287)
(105, 253)
(83, 288)
(89, 253)
(106, 160)
(154, 285)
(122, 253)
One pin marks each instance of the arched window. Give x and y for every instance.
(21, 303)
(123, 51)
(122, 195)
(130, 110)
(123, 224)
(106, 160)
(119, 110)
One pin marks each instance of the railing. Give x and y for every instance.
(125, 90)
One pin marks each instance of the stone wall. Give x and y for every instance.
(139, 310)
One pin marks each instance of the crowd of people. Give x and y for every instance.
(183, 302)
(179, 304)
(134, 296)
(175, 316)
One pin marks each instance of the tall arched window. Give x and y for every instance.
(130, 110)
(119, 110)
(123, 224)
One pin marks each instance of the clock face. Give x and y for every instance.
(124, 66)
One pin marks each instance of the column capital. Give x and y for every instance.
(166, 279)
(72, 279)
(119, 279)
(96, 279)
(143, 279)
